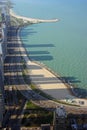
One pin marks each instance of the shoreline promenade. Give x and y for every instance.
(47, 81)
(32, 20)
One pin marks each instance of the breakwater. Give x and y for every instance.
(32, 20)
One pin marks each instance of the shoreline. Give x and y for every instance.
(68, 85)
(51, 73)
(68, 88)
(32, 20)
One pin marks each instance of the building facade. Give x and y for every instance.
(60, 119)
(3, 51)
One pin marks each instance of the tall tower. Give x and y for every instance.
(60, 118)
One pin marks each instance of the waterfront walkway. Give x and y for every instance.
(45, 80)
(48, 82)
(32, 20)
(14, 66)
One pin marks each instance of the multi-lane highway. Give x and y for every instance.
(11, 68)
(14, 81)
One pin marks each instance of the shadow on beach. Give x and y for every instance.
(13, 60)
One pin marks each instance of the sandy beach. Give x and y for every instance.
(43, 78)
(48, 82)
(32, 20)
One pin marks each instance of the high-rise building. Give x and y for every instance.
(3, 51)
(1, 87)
(60, 118)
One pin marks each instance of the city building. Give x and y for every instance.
(3, 51)
(1, 88)
(60, 118)
(45, 127)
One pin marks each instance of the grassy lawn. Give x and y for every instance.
(35, 116)
(30, 105)
(37, 90)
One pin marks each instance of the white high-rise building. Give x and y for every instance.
(1, 87)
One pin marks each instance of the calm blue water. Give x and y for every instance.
(62, 46)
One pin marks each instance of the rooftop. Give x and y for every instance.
(60, 112)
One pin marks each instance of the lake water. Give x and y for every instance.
(62, 46)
